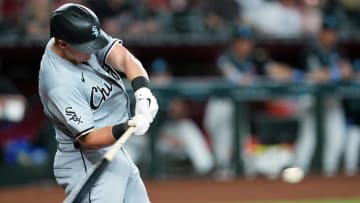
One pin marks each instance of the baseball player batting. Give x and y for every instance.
(84, 97)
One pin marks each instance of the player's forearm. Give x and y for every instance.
(97, 138)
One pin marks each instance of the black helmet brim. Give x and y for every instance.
(93, 46)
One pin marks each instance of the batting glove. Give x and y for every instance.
(140, 123)
(146, 103)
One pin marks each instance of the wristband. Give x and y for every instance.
(119, 129)
(139, 82)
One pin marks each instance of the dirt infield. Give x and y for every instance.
(209, 191)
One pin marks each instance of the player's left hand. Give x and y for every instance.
(146, 104)
(140, 123)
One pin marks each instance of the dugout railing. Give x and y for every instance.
(201, 89)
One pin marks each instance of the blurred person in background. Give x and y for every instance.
(185, 20)
(279, 19)
(325, 63)
(311, 17)
(35, 20)
(352, 142)
(221, 16)
(113, 14)
(352, 15)
(109, 8)
(148, 18)
(243, 65)
(180, 136)
(352, 113)
(128, 19)
(10, 12)
(338, 9)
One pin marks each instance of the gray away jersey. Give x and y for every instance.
(79, 98)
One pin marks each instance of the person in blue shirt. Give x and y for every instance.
(243, 64)
(325, 63)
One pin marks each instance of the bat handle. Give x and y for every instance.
(119, 143)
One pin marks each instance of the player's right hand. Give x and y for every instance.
(140, 123)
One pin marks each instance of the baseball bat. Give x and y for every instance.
(78, 193)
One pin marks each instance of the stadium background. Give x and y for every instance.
(189, 35)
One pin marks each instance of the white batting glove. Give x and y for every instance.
(140, 123)
(146, 103)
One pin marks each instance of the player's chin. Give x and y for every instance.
(86, 58)
(83, 59)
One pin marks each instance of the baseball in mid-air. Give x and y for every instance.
(292, 175)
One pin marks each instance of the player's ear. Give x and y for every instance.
(61, 43)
